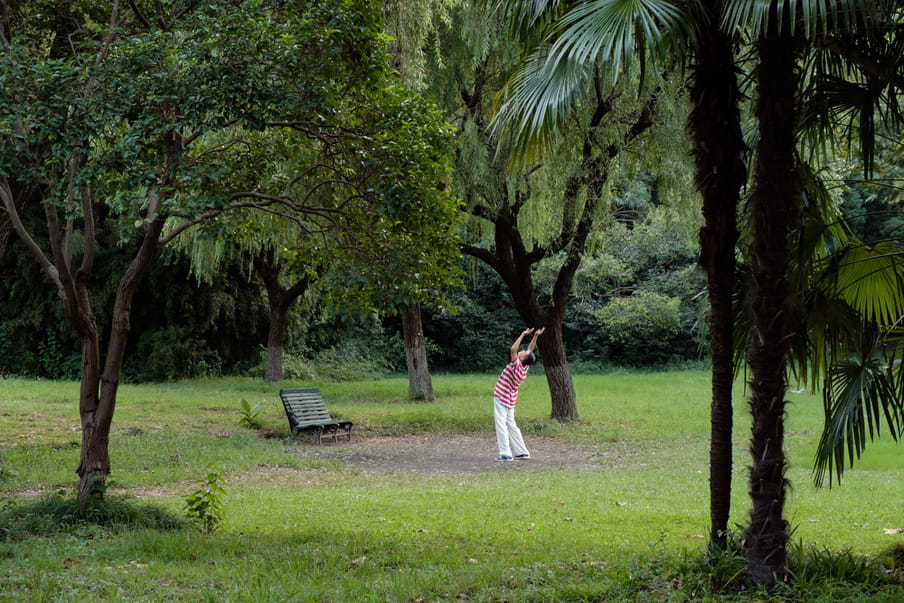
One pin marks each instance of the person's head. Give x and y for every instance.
(527, 358)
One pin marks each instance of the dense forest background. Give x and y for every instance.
(639, 301)
(641, 307)
(638, 298)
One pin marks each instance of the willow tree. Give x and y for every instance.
(412, 27)
(520, 212)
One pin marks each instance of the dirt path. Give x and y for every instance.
(452, 454)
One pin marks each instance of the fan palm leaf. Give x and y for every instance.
(615, 29)
(870, 279)
(563, 46)
(538, 101)
(816, 17)
(859, 395)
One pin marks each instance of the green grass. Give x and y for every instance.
(298, 528)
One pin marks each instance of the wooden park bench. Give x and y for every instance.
(306, 411)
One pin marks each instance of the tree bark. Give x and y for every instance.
(420, 385)
(276, 339)
(715, 127)
(774, 207)
(280, 300)
(558, 374)
(97, 411)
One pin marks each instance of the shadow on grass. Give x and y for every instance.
(56, 513)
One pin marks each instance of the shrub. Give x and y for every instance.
(53, 363)
(204, 506)
(171, 353)
(642, 328)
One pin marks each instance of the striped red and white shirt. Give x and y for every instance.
(513, 374)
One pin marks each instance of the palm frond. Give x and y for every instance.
(817, 17)
(529, 20)
(858, 396)
(840, 107)
(869, 278)
(824, 323)
(617, 29)
(538, 100)
(555, 72)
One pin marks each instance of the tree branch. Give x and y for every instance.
(484, 255)
(139, 15)
(5, 30)
(12, 212)
(90, 232)
(160, 22)
(188, 8)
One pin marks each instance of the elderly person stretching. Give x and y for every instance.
(505, 395)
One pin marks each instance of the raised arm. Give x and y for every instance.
(533, 341)
(517, 345)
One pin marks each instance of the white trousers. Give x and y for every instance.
(507, 430)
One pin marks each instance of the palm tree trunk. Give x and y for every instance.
(774, 208)
(715, 128)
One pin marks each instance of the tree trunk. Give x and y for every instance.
(715, 128)
(94, 457)
(97, 410)
(774, 207)
(20, 196)
(420, 385)
(558, 373)
(276, 338)
(280, 299)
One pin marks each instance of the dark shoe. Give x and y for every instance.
(504, 458)
(522, 457)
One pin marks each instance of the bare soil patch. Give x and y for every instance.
(453, 454)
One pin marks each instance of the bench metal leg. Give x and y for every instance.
(334, 429)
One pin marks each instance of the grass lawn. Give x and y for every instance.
(300, 529)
